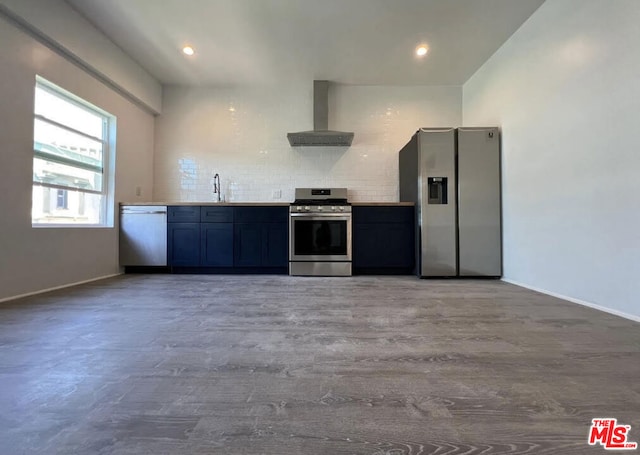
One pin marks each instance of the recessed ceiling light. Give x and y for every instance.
(188, 50)
(422, 50)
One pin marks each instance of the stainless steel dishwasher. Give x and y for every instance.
(143, 235)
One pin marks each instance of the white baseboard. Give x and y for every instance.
(42, 291)
(632, 317)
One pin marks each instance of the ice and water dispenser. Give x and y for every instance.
(437, 190)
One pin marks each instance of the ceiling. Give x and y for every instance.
(368, 42)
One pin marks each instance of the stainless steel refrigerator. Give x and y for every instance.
(453, 177)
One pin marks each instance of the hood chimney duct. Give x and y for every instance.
(320, 136)
(320, 105)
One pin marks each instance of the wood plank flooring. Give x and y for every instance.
(278, 365)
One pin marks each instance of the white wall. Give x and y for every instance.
(62, 24)
(241, 134)
(566, 90)
(41, 258)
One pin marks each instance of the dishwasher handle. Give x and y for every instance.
(145, 212)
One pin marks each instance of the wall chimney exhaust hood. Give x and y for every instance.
(320, 136)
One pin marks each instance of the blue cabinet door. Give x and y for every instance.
(261, 237)
(365, 245)
(275, 251)
(383, 238)
(247, 245)
(216, 244)
(183, 244)
(397, 245)
(383, 245)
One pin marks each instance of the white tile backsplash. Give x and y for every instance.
(240, 133)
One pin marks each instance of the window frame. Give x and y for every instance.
(106, 211)
(62, 201)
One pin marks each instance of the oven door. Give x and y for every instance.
(320, 237)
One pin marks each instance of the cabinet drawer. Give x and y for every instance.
(183, 214)
(210, 214)
(374, 215)
(262, 214)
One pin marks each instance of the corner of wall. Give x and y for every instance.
(58, 26)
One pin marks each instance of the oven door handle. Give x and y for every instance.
(316, 216)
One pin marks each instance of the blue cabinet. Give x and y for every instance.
(250, 239)
(275, 251)
(216, 236)
(183, 244)
(216, 244)
(248, 245)
(205, 241)
(261, 237)
(383, 239)
(226, 239)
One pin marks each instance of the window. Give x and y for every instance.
(62, 200)
(70, 159)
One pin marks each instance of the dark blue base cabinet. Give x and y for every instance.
(244, 239)
(227, 239)
(261, 245)
(383, 240)
(216, 244)
(183, 244)
(261, 237)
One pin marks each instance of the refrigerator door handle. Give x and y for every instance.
(436, 130)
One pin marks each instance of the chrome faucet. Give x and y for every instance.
(216, 186)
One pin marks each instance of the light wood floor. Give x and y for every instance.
(278, 365)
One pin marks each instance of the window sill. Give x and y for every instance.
(82, 226)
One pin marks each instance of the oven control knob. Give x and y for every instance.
(307, 208)
(333, 209)
(341, 208)
(319, 208)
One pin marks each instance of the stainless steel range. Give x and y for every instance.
(320, 233)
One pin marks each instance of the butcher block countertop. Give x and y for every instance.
(383, 204)
(267, 204)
